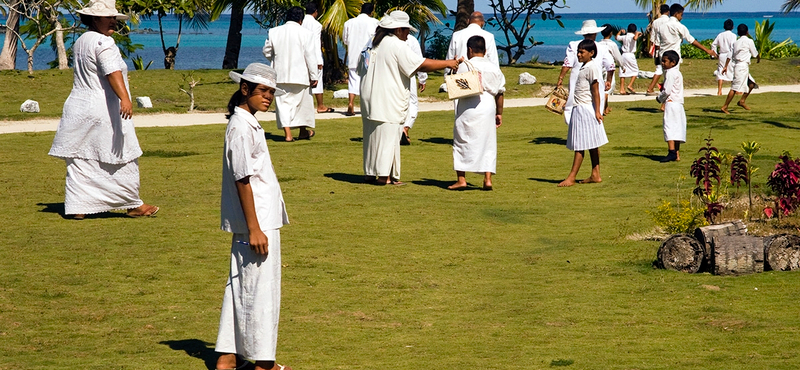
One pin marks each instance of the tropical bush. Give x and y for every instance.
(689, 51)
(679, 218)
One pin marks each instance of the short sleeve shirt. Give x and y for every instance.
(385, 85)
(743, 49)
(583, 87)
(671, 34)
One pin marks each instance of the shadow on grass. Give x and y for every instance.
(652, 157)
(551, 181)
(346, 177)
(548, 140)
(357, 139)
(642, 109)
(431, 182)
(269, 136)
(195, 348)
(167, 153)
(781, 125)
(438, 140)
(59, 208)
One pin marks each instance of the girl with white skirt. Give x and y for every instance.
(743, 49)
(630, 67)
(674, 113)
(586, 122)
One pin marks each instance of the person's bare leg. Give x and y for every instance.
(305, 133)
(653, 83)
(719, 87)
(743, 101)
(630, 85)
(267, 365)
(677, 150)
(576, 165)
(728, 99)
(226, 361)
(487, 181)
(287, 133)
(321, 108)
(461, 183)
(594, 154)
(405, 129)
(622, 86)
(607, 109)
(350, 109)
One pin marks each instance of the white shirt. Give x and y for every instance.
(723, 43)
(246, 154)
(655, 26)
(290, 50)
(673, 85)
(311, 24)
(613, 48)
(583, 87)
(603, 55)
(384, 86)
(413, 43)
(743, 49)
(458, 43)
(358, 32)
(671, 34)
(628, 42)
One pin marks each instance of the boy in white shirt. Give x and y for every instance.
(743, 49)
(722, 45)
(672, 99)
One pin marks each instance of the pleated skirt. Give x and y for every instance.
(585, 132)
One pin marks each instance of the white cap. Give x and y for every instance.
(103, 8)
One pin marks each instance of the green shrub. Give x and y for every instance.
(683, 218)
(689, 51)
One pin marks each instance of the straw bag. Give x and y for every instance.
(557, 101)
(465, 84)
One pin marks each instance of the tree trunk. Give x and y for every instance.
(463, 11)
(706, 233)
(681, 252)
(61, 50)
(334, 70)
(782, 252)
(737, 255)
(8, 57)
(234, 43)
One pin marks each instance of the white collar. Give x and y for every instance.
(248, 117)
(476, 25)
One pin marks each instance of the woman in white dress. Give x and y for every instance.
(96, 137)
(630, 67)
(586, 130)
(386, 71)
(722, 45)
(743, 49)
(477, 119)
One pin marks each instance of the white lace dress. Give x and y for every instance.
(98, 145)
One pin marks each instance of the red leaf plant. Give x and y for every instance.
(706, 170)
(785, 182)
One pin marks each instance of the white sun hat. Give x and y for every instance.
(258, 73)
(103, 8)
(589, 27)
(396, 19)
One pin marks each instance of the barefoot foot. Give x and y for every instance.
(591, 180)
(725, 110)
(458, 186)
(566, 183)
(743, 105)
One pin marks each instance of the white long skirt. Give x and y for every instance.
(728, 75)
(95, 187)
(674, 122)
(353, 82)
(295, 108)
(248, 323)
(381, 148)
(630, 67)
(475, 135)
(413, 104)
(585, 132)
(741, 77)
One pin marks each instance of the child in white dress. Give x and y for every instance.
(672, 98)
(586, 121)
(629, 66)
(743, 49)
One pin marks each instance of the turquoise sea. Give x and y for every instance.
(205, 48)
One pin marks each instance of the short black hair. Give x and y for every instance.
(672, 56)
(295, 14)
(741, 29)
(607, 30)
(632, 28)
(675, 9)
(367, 8)
(664, 9)
(589, 46)
(87, 20)
(311, 8)
(477, 44)
(728, 25)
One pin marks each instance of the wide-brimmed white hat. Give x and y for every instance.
(396, 19)
(103, 8)
(258, 73)
(589, 27)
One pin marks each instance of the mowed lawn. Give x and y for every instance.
(528, 276)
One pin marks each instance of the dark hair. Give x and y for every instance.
(311, 8)
(728, 25)
(87, 20)
(237, 97)
(664, 9)
(367, 8)
(632, 28)
(477, 44)
(607, 30)
(295, 14)
(672, 56)
(741, 29)
(589, 46)
(675, 9)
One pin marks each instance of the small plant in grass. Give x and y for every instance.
(785, 182)
(681, 218)
(742, 170)
(189, 79)
(138, 63)
(706, 172)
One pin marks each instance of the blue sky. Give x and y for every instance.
(628, 6)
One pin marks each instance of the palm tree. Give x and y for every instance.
(193, 12)
(8, 55)
(790, 5)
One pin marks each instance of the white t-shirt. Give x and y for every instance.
(357, 33)
(384, 86)
(723, 43)
(671, 34)
(246, 154)
(628, 42)
(655, 26)
(583, 87)
(673, 85)
(743, 49)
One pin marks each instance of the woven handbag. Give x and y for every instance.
(557, 101)
(465, 84)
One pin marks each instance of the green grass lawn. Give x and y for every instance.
(51, 87)
(529, 276)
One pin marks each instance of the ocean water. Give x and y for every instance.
(204, 49)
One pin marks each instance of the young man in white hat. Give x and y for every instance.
(604, 61)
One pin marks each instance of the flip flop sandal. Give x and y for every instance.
(329, 110)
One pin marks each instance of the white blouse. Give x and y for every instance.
(583, 87)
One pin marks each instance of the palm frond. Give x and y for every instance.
(790, 5)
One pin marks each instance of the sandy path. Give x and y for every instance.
(189, 119)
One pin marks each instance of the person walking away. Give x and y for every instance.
(656, 42)
(722, 45)
(630, 67)
(252, 209)
(586, 121)
(477, 120)
(458, 42)
(356, 35)
(95, 136)
(310, 23)
(414, 90)
(612, 48)
(743, 50)
(672, 99)
(385, 81)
